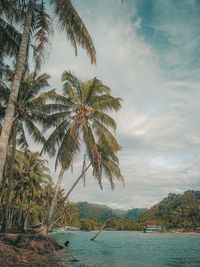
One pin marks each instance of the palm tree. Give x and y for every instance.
(27, 112)
(35, 175)
(68, 20)
(84, 119)
(32, 176)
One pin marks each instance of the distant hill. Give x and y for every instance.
(176, 211)
(101, 213)
(133, 215)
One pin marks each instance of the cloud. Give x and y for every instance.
(146, 56)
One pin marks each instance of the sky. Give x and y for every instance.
(148, 54)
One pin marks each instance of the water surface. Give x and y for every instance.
(127, 249)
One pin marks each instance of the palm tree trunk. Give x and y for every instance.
(20, 212)
(21, 59)
(7, 208)
(101, 229)
(76, 182)
(56, 221)
(72, 188)
(11, 219)
(26, 215)
(53, 202)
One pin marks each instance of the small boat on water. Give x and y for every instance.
(152, 227)
(71, 228)
(66, 228)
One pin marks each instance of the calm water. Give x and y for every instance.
(124, 249)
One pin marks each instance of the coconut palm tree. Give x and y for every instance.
(84, 119)
(68, 20)
(27, 114)
(32, 176)
(35, 176)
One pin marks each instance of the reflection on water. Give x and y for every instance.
(127, 249)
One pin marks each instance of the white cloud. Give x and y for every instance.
(158, 125)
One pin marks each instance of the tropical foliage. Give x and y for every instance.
(29, 106)
(74, 123)
(79, 116)
(176, 211)
(82, 117)
(101, 213)
(32, 192)
(37, 26)
(28, 113)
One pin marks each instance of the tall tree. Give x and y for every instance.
(84, 119)
(27, 114)
(31, 177)
(68, 20)
(35, 174)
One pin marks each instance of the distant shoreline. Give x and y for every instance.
(176, 233)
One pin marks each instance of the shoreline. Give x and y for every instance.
(175, 233)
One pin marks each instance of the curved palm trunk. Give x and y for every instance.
(53, 202)
(76, 182)
(7, 208)
(71, 189)
(21, 59)
(101, 229)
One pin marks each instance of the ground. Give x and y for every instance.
(28, 251)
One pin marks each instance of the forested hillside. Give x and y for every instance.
(176, 211)
(101, 213)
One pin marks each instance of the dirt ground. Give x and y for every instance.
(28, 250)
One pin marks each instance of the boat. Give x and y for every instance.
(152, 227)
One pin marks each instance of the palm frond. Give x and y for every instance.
(69, 77)
(34, 132)
(10, 38)
(101, 118)
(4, 92)
(42, 27)
(112, 171)
(106, 103)
(13, 11)
(55, 139)
(21, 140)
(70, 21)
(69, 147)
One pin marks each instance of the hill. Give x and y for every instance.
(101, 213)
(176, 211)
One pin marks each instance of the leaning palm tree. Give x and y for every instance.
(83, 118)
(68, 20)
(109, 168)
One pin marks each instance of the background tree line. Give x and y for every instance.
(175, 211)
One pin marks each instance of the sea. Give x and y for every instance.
(129, 248)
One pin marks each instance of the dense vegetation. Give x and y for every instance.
(76, 117)
(101, 213)
(32, 193)
(176, 211)
(62, 123)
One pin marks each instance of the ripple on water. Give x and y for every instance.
(127, 249)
